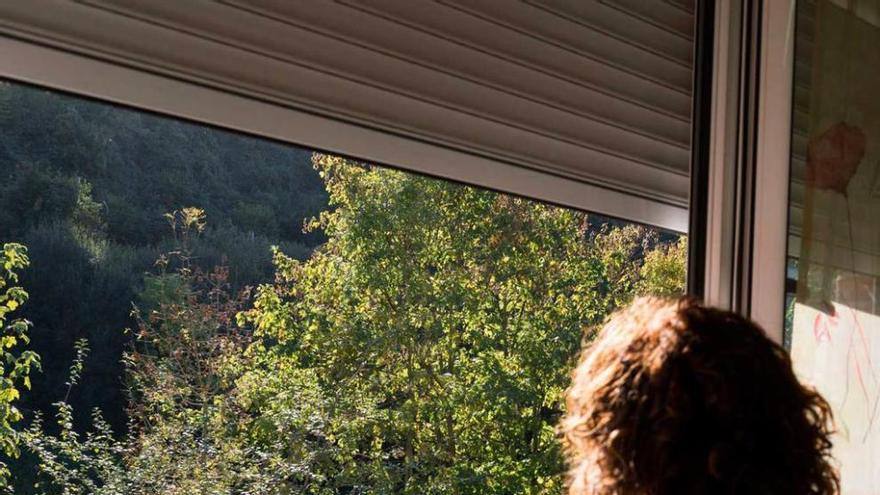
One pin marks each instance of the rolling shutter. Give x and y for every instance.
(592, 91)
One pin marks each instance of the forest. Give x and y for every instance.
(187, 310)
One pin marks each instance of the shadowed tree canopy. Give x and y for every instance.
(85, 185)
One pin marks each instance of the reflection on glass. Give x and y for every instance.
(832, 310)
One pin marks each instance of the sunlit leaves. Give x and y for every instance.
(16, 363)
(453, 315)
(664, 270)
(423, 349)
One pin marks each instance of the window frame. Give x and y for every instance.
(30, 62)
(743, 92)
(750, 155)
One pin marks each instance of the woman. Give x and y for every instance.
(676, 398)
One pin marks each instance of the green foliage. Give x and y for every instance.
(16, 363)
(76, 464)
(256, 217)
(664, 270)
(443, 320)
(33, 195)
(187, 419)
(423, 349)
(87, 222)
(85, 185)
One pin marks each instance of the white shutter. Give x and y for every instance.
(587, 91)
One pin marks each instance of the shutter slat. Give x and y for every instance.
(612, 51)
(453, 58)
(304, 47)
(645, 35)
(658, 13)
(586, 91)
(544, 55)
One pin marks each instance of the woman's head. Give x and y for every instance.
(676, 398)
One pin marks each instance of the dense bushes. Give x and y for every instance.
(424, 348)
(414, 339)
(85, 185)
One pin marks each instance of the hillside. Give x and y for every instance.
(85, 186)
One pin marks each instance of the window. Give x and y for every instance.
(834, 240)
(217, 313)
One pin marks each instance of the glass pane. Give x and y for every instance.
(833, 313)
(404, 335)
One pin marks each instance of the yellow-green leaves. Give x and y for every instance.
(17, 364)
(442, 321)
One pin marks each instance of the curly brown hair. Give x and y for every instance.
(677, 398)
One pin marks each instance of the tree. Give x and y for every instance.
(664, 270)
(16, 363)
(443, 319)
(189, 430)
(423, 349)
(84, 185)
